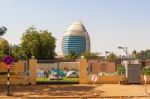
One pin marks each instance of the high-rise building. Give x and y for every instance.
(76, 39)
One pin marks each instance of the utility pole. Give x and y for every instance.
(125, 49)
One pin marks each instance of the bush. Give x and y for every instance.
(120, 69)
(146, 70)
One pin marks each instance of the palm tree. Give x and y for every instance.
(72, 55)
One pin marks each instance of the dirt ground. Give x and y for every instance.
(77, 90)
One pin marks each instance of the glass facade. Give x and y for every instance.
(73, 44)
(76, 39)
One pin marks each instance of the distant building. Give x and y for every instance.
(76, 39)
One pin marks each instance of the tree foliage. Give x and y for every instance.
(91, 55)
(111, 57)
(72, 55)
(120, 69)
(142, 55)
(4, 47)
(17, 52)
(40, 44)
(146, 70)
(3, 30)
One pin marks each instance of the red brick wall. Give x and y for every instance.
(102, 66)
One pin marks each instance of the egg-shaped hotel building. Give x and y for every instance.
(76, 39)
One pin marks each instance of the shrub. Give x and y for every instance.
(120, 69)
(146, 70)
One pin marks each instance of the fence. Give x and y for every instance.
(57, 72)
(21, 72)
(25, 72)
(85, 75)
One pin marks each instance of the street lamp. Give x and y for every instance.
(125, 49)
(106, 52)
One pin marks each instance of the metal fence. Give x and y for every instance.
(57, 72)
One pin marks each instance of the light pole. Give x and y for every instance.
(106, 52)
(125, 49)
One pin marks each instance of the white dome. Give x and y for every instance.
(77, 22)
(76, 25)
(76, 29)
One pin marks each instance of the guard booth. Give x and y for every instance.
(133, 73)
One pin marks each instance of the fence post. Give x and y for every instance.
(32, 70)
(83, 77)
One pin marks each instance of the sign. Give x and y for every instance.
(94, 78)
(8, 66)
(8, 61)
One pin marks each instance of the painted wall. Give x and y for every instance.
(18, 73)
(85, 78)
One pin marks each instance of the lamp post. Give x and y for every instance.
(125, 49)
(106, 52)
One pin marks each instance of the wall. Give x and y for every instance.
(106, 79)
(148, 79)
(17, 67)
(15, 79)
(85, 78)
(18, 74)
(102, 66)
(114, 79)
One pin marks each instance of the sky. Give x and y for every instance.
(110, 23)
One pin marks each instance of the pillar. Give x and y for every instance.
(83, 73)
(32, 70)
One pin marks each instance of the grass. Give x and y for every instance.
(65, 79)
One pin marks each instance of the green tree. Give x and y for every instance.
(3, 30)
(143, 55)
(17, 52)
(4, 47)
(146, 70)
(120, 69)
(90, 55)
(72, 55)
(40, 44)
(134, 54)
(112, 57)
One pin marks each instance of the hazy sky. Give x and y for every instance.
(110, 23)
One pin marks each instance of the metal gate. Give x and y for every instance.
(57, 72)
